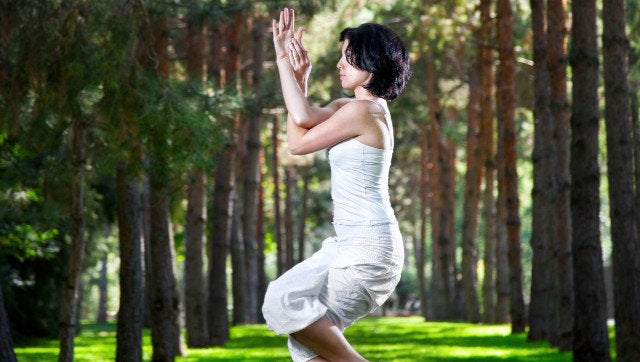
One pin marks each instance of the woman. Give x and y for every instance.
(355, 271)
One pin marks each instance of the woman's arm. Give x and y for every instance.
(293, 67)
(353, 120)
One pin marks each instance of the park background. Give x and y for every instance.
(145, 180)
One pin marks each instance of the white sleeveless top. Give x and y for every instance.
(359, 184)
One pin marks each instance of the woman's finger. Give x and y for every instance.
(299, 34)
(293, 50)
(292, 45)
(300, 50)
(292, 20)
(274, 28)
(281, 22)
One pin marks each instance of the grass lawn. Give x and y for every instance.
(378, 339)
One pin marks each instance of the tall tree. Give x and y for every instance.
(447, 237)
(290, 183)
(557, 33)
(221, 215)
(194, 282)
(502, 257)
(163, 293)
(118, 91)
(252, 186)
(442, 288)
(71, 55)
(130, 313)
(426, 173)
(70, 293)
(473, 180)
(195, 306)
(624, 232)
(633, 18)
(420, 241)
(219, 236)
(101, 315)
(302, 214)
(486, 161)
(238, 267)
(544, 188)
(278, 232)
(505, 80)
(162, 288)
(591, 342)
(6, 343)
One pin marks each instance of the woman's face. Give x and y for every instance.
(350, 76)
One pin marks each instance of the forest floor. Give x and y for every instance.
(377, 338)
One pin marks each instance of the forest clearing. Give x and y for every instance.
(147, 187)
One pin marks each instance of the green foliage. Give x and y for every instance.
(74, 61)
(24, 242)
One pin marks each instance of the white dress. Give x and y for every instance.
(355, 271)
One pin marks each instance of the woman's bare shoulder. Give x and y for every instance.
(339, 103)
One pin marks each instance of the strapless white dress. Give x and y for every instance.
(356, 270)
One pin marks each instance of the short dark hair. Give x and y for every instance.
(375, 48)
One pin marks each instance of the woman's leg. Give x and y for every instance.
(326, 339)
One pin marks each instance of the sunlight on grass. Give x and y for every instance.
(410, 339)
(387, 339)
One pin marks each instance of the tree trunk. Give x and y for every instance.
(485, 156)
(634, 88)
(591, 342)
(421, 239)
(262, 277)
(543, 195)
(130, 313)
(238, 268)
(473, 177)
(219, 240)
(489, 291)
(163, 292)
(252, 180)
(102, 291)
(302, 214)
(441, 290)
(6, 343)
(474, 174)
(195, 305)
(291, 178)
(506, 107)
(502, 258)
(447, 239)
(624, 233)
(195, 293)
(146, 249)
(162, 288)
(557, 32)
(430, 298)
(71, 286)
(250, 218)
(225, 186)
(277, 209)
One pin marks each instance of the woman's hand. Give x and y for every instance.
(283, 32)
(299, 60)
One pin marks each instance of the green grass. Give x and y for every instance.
(378, 339)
